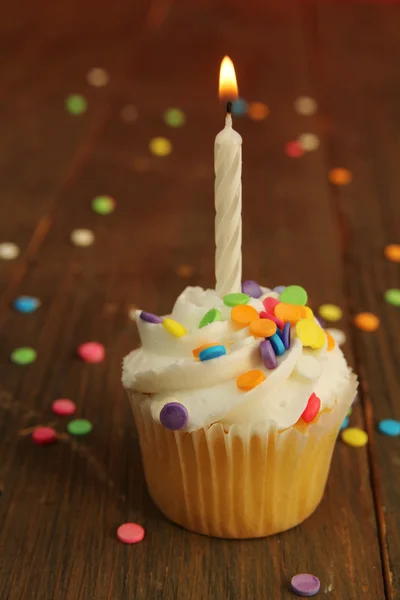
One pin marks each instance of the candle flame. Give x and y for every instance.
(228, 89)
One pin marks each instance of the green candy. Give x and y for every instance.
(294, 294)
(23, 356)
(235, 299)
(76, 104)
(393, 296)
(210, 317)
(103, 205)
(79, 427)
(174, 117)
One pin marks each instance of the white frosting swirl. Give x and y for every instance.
(165, 368)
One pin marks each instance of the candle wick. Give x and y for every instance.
(229, 107)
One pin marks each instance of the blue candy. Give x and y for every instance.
(212, 352)
(26, 304)
(389, 427)
(345, 423)
(277, 344)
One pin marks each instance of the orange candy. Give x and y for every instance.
(340, 176)
(197, 351)
(392, 252)
(258, 111)
(243, 314)
(331, 341)
(250, 380)
(366, 321)
(290, 312)
(262, 328)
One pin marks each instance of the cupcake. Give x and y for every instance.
(238, 402)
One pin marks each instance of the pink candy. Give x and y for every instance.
(63, 407)
(91, 352)
(265, 315)
(270, 303)
(130, 533)
(44, 435)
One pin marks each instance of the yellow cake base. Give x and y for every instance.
(236, 482)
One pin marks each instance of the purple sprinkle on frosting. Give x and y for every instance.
(279, 289)
(305, 585)
(150, 318)
(286, 336)
(268, 354)
(174, 415)
(251, 288)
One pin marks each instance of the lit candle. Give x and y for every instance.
(228, 192)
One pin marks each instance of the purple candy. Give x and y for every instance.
(286, 336)
(174, 416)
(251, 288)
(150, 318)
(279, 289)
(305, 584)
(321, 321)
(268, 354)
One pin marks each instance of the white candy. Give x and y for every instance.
(97, 77)
(308, 141)
(8, 251)
(308, 367)
(338, 335)
(82, 237)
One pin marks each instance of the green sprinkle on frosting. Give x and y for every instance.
(210, 317)
(235, 299)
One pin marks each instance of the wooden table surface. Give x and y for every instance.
(61, 504)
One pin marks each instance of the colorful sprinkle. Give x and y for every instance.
(392, 296)
(174, 327)
(286, 334)
(26, 304)
(239, 108)
(294, 294)
(97, 77)
(345, 423)
(294, 149)
(308, 141)
(23, 356)
(353, 436)
(8, 251)
(330, 312)
(305, 585)
(129, 113)
(340, 176)
(278, 322)
(103, 205)
(76, 104)
(258, 111)
(304, 105)
(150, 318)
(310, 334)
(309, 313)
(366, 321)
(174, 416)
(277, 344)
(312, 408)
(130, 533)
(248, 381)
(268, 354)
(330, 340)
(196, 351)
(289, 312)
(279, 289)
(63, 406)
(79, 427)
(243, 314)
(235, 299)
(82, 237)
(160, 146)
(91, 352)
(44, 435)
(392, 252)
(174, 117)
(212, 352)
(308, 367)
(338, 335)
(262, 328)
(251, 288)
(389, 427)
(269, 304)
(211, 316)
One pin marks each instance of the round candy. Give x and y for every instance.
(310, 334)
(44, 435)
(130, 533)
(308, 367)
(312, 408)
(76, 104)
(196, 351)
(340, 176)
(331, 341)
(345, 423)
(160, 146)
(277, 344)
(289, 312)
(286, 332)
(63, 406)
(269, 304)
(304, 105)
(268, 354)
(251, 288)
(393, 297)
(243, 314)
(97, 77)
(353, 436)
(278, 322)
(174, 416)
(248, 381)
(258, 111)
(91, 352)
(23, 356)
(308, 141)
(338, 335)
(389, 427)
(294, 149)
(330, 312)
(103, 205)
(82, 237)
(235, 299)
(392, 252)
(279, 289)
(79, 427)
(174, 117)
(262, 328)
(309, 313)
(366, 321)
(210, 317)
(8, 251)
(212, 352)
(305, 585)
(239, 108)
(150, 318)
(174, 327)
(294, 294)
(26, 304)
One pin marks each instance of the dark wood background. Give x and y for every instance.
(61, 505)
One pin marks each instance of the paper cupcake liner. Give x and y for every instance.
(233, 481)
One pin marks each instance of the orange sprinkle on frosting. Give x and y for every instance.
(262, 328)
(243, 314)
(248, 381)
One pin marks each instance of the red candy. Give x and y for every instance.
(91, 352)
(44, 435)
(265, 315)
(130, 533)
(270, 303)
(312, 408)
(63, 407)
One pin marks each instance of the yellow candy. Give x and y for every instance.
(174, 327)
(310, 333)
(310, 314)
(353, 436)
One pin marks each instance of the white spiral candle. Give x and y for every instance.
(228, 206)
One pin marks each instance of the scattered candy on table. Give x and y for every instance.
(353, 436)
(268, 354)
(248, 381)
(130, 533)
(392, 252)
(262, 328)
(63, 406)
(174, 416)
(304, 105)
(103, 205)
(174, 117)
(294, 149)
(235, 299)
(305, 585)
(79, 427)
(251, 288)
(310, 334)
(243, 314)
(210, 317)
(8, 251)
(82, 237)
(150, 318)
(173, 327)
(91, 352)
(392, 296)
(308, 141)
(366, 321)
(26, 304)
(330, 312)
(44, 435)
(23, 355)
(389, 427)
(277, 344)
(294, 294)
(258, 111)
(212, 352)
(97, 77)
(160, 146)
(340, 176)
(76, 104)
(312, 409)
